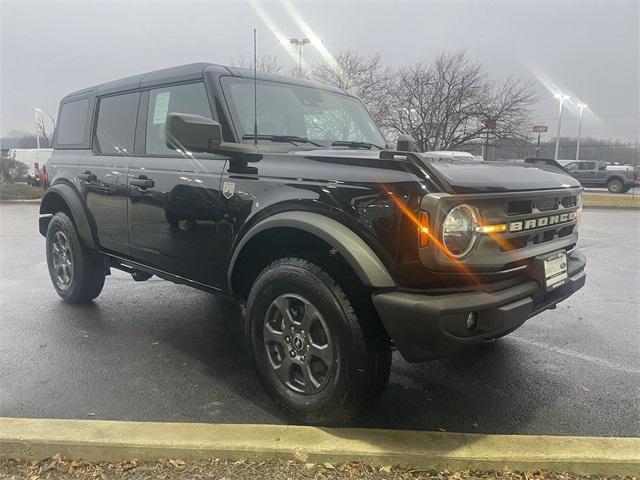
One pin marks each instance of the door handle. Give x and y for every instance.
(87, 176)
(142, 182)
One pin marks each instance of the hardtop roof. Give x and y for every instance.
(191, 71)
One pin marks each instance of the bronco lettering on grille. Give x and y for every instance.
(532, 223)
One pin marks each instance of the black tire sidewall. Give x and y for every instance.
(61, 222)
(297, 280)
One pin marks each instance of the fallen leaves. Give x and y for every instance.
(57, 468)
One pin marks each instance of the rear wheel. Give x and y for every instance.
(615, 186)
(77, 273)
(318, 358)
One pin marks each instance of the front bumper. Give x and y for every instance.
(425, 326)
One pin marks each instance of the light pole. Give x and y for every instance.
(562, 98)
(581, 106)
(299, 43)
(35, 113)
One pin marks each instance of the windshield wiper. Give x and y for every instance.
(281, 138)
(347, 143)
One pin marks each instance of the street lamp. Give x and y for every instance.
(581, 106)
(562, 98)
(299, 43)
(35, 113)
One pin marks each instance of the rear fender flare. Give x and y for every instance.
(616, 176)
(76, 208)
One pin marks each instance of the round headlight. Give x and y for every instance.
(459, 230)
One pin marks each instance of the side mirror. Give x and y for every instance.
(194, 133)
(406, 143)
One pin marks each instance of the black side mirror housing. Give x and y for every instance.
(406, 143)
(193, 133)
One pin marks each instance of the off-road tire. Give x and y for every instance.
(86, 277)
(615, 186)
(361, 346)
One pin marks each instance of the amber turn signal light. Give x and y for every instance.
(423, 229)
(489, 229)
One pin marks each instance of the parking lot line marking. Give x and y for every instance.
(580, 356)
(98, 440)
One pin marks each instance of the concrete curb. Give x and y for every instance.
(29, 200)
(97, 440)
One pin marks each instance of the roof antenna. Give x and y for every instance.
(255, 92)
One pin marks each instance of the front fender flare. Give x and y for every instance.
(365, 263)
(76, 208)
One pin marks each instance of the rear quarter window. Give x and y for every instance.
(72, 122)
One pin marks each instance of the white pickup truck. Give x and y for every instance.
(33, 158)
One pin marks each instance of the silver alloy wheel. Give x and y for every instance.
(298, 344)
(615, 186)
(62, 258)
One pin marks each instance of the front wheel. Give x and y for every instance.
(319, 359)
(77, 273)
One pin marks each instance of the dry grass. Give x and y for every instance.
(610, 200)
(60, 469)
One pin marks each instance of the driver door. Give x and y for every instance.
(174, 194)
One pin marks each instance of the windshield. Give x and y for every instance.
(291, 110)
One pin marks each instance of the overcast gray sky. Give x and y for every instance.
(590, 50)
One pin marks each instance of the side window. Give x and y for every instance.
(116, 125)
(571, 166)
(73, 119)
(587, 165)
(190, 98)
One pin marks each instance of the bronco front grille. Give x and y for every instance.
(534, 223)
(522, 241)
(543, 204)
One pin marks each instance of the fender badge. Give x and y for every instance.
(228, 189)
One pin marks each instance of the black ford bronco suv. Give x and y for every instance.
(339, 247)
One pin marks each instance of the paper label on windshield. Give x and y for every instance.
(161, 108)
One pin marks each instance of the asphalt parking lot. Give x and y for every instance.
(163, 352)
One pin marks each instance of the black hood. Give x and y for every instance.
(475, 176)
(468, 176)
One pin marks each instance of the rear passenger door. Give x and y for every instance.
(173, 194)
(103, 169)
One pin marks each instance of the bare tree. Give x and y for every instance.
(452, 101)
(444, 104)
(266, 63)
(46, 137)
(363, 76)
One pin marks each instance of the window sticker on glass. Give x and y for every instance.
(161, 108)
